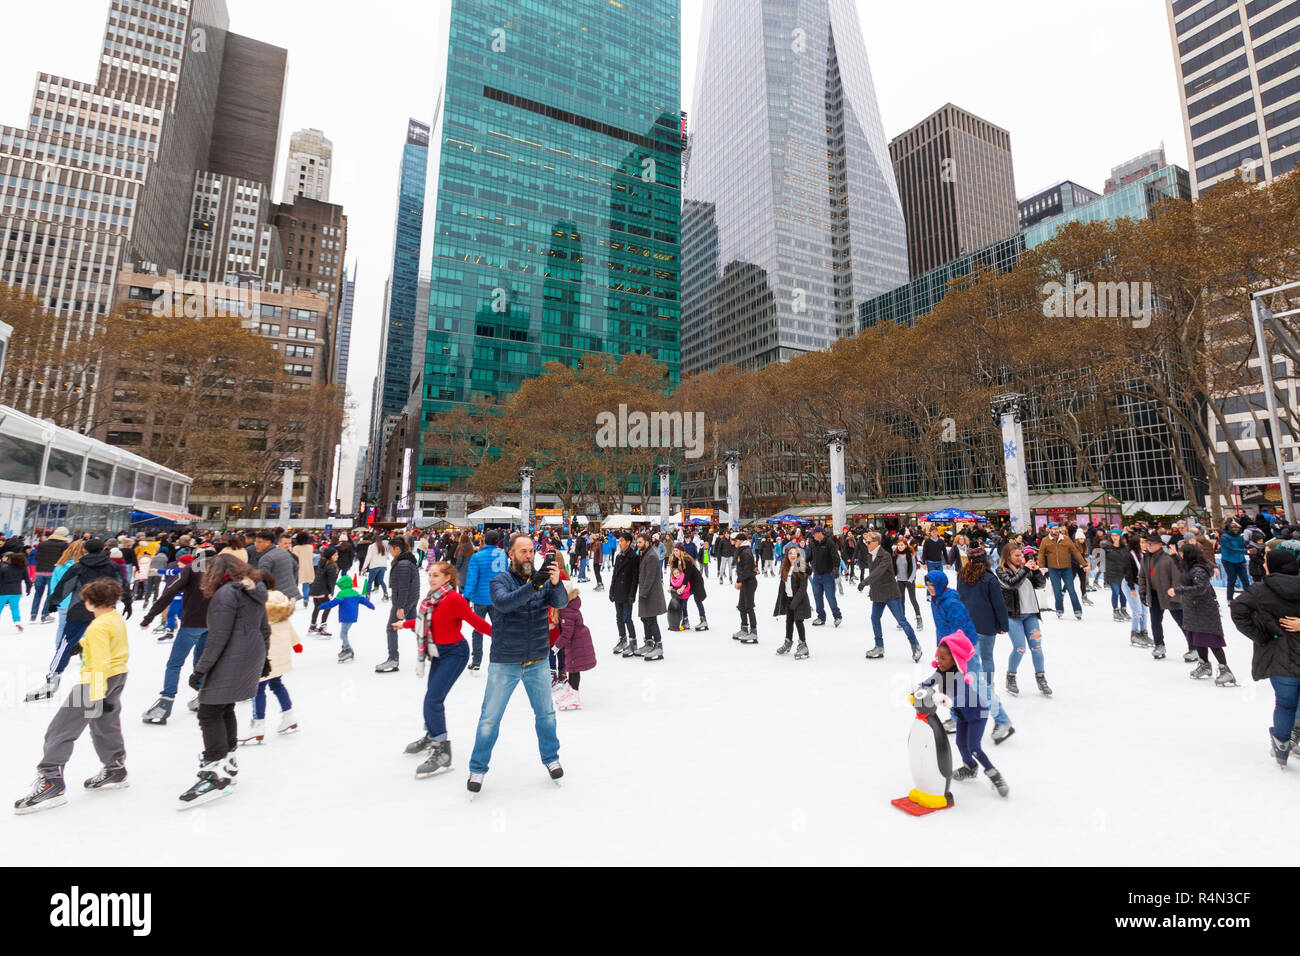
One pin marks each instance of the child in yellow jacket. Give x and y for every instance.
(96, 702)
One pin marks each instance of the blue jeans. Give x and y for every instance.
(981, 665)
(484, 611)
(344, 627)
(934, 566)
(623, 614)
(174, 611)
(1021, 630)
(582, 567)
(443, 671)
(1116, 594)
(895, 606)
(1064, 578)
(39, 587)
(825, 584)
(1234, 571)
(187, 639)
(306, 591)
(281, 696)
(375, 577)
(501, 681)
(1136, 609)
(1286, 699)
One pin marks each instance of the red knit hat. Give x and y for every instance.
(962, 651)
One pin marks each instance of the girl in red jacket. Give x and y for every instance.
(439, 642)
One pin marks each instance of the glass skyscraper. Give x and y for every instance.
(791, 216)
(559, 193)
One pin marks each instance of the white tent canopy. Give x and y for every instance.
(496, 514)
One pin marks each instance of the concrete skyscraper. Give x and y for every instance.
(791, 215)
(957, 186)
(1239, 81)
(307, 170)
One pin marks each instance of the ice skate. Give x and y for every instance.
(193, 705)
(45, 691)
(740, 633)
(875, 653)
(920, 623)
(1191, 657)
(1124, 614)
(108, 779)
(838, 621)
(621, 646)
(475, 783)
(964, 773)
(751, 636)
(1115, 615)
(785, 647)
(1043, 687)
(438, 761)
(416, 747)
(702, 626)
(212, 783)
(322, 633)
(1201, 671)
(632, 650)
(166, 636)
(818, 621)
(1078, 615)
(1001, 732)
(46, 794)
(254, 735)
(1140, 639)
(159, 712)
(1159, 652)
(1087, 601)
(288, 723)
(387, 667)
(230, 767)
(999, 784)
(346, 655)
(655, 652)
(1012, 687)
(555, 770)
(1225, 678)
(950, 725)
(570, 700)
(916, 652)
(1280, 749)
(801, 652)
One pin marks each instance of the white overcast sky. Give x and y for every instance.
(1080, 84)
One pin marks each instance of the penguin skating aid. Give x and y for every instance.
(930, 757)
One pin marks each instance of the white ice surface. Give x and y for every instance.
(720, 753)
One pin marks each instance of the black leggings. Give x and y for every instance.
(573, 680)
(316, 610)
(1218, 655)
(909, 590)
(219, 729)
(790, 624)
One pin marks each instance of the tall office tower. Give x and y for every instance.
(1062, 198)
(314, 236)
(231, 228)
(103, 171)
(1239, 81)
(957, 186)
(343, 339)
(1130, 171)
(307, 171)
(558, 199)
(397, 330)
(791, 216)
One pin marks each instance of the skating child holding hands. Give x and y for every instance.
(347, 600)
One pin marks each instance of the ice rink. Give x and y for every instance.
(719, 754)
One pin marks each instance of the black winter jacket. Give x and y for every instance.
(194, 605)
(48, 553)
(627, 569)
(1011, 581)
(327, 577)
(823, 558)
(1116, 561)
(797, 606)
(91, 567)
(1200, 605)
(1257, 613)
(238, 643)
(404, 581)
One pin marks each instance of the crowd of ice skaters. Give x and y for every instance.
(225, 602)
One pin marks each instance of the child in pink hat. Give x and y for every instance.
(959, 691)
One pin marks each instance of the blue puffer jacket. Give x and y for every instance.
(1232, 548)
(486, 564)
(950, 614)
(520, 619)
(984, 603)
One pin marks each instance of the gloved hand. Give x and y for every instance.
(266, 667)
(943, 700)
(196, 680)
(126, 614)
(297, 648)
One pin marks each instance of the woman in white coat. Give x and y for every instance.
(375, 566)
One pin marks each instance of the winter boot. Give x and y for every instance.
(108, 778)
(1012, 687)
(1043, 687)
(1225, 678)
(999, 784)
(46, 793)
(212, 783)
(1201, 671)
(801, 652)
(1280, 749)
(785, 647)
(159, 712)
(1159, 652)
(438, 761)
(875, 653)
(255, 734)
(419, 746)
(1001, 732)
(288, 723)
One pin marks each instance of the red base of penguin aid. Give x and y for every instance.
(912, 807)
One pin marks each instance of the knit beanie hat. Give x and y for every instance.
(962, 651)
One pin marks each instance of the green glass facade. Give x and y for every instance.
(557, 228)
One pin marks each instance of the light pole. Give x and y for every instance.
(1262, 316)
(1009, 408)
(526, 475)
(287, 466)
(835, 439)
(732, 458)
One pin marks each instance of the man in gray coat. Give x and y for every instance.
(885, 593)
(1158, 575)
(650, 600)
(279, 563)
(404, 582)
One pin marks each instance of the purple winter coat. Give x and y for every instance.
(575, 639)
